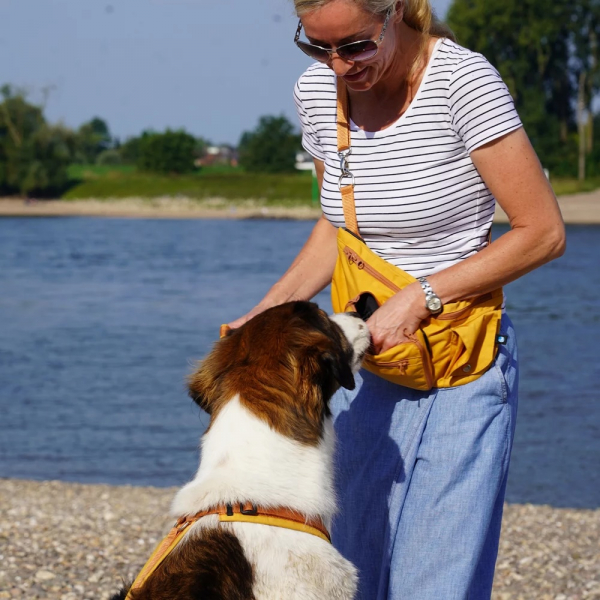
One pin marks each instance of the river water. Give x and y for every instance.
(101, 320)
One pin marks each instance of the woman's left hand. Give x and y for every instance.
(398, 318)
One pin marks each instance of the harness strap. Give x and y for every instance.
(344, 150)
(240, 513)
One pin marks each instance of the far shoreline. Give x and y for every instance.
(577, 209)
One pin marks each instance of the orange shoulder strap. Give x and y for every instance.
(344, 150)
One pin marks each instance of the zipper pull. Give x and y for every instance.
(354, 258)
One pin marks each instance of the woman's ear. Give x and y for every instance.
(399, 12)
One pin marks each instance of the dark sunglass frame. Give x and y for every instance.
(345, 52)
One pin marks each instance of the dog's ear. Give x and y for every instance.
(339, 365)
(204, 385)
(201, 387)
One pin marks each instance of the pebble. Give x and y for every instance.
(67, 541)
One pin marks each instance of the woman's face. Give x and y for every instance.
(341, 22)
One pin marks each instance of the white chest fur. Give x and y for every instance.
(244, 460)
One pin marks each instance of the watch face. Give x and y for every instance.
(434, 304)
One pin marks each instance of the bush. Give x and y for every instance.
(271, 147)
(110, 157)
(169, 152)
(93, 138)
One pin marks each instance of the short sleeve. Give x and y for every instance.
(310, 139)
(481, 106)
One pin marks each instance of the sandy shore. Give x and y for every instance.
(62, 541)
(578, 209)
(156, 208)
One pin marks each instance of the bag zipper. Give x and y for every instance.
(403, 364)
(354, 258)
(459, 313)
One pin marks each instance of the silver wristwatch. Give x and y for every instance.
(432, 301)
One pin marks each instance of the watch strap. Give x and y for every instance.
(429, 293)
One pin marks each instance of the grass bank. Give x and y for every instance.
(226, 183)
(567, 187)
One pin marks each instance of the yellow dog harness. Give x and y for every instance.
(241, 513)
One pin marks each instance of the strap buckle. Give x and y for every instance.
(345, 167)
(249, 512)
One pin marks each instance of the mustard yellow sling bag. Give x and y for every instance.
(451, 348)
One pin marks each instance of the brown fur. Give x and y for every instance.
(285, 364)
(212, 567)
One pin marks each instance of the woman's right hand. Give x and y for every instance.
(255, 311)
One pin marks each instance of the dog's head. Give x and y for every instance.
(284, 364)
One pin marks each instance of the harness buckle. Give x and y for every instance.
(251, 512)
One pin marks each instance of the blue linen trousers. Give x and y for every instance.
(421, 478)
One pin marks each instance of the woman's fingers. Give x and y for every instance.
(239, 322)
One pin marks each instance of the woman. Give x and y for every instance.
(435, 142)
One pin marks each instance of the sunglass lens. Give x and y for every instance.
(358, 51)
(313, 51)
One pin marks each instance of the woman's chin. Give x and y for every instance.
(360, 81)
(361, 86)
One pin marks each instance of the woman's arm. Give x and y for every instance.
(512, 172)
(311, 270)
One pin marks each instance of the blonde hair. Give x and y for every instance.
(418, 14)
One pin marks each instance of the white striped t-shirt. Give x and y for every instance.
(421, 203)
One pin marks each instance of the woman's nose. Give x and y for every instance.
(339, 65)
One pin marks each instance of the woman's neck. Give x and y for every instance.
(380, 106)
(399, 74)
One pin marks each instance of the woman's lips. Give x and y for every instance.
(355, 76)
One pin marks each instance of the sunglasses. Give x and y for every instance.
(355, 51)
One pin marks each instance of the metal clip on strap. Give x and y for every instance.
(344, 150)
(345, 167)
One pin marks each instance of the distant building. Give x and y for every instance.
(219, 155)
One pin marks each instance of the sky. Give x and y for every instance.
(212, 67)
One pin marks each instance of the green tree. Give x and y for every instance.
(34, 156)
(93, 138)
(271, 147)
(534, 45)
(130, 149)
(168, 152)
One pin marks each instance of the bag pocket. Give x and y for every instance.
(408, 364)
(474, 346)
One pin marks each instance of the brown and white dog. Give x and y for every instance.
(270, 443)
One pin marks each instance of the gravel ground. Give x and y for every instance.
(64, 541)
